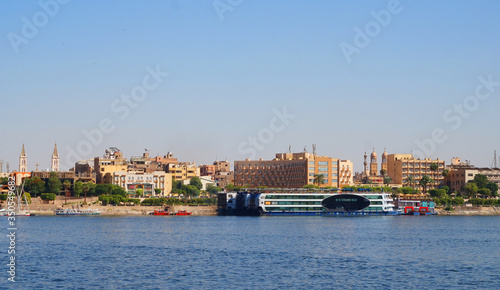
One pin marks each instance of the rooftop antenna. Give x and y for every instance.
(305, 149)
(494, 164)
(1, 165)
(289, 148)
(8, 167)
(314, 149)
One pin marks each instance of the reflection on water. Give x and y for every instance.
(257, 252)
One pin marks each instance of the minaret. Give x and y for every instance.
(384, 160)
(365, 171)
(373, 164)
(55, 160)
(23, 161)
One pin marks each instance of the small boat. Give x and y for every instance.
(159, 212)
(77, 211)
(183, 212)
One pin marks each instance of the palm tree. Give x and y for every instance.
(445, 175)
(387, 180)
(66, 185)
(383, 172)
(319, 179)
(434, 168)
(424, 181)
(410, 180)
(85, 188)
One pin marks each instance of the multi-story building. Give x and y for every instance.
(401, 166)
(148, 182)
(111, 162)
(145, 164)
(219, 172)
(460, 173)
(289, 170)
(84, 171)
(183, 170)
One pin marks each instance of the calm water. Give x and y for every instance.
(255, 252)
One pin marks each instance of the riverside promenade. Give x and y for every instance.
(39, 207)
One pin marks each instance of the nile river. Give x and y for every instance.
(155, 252)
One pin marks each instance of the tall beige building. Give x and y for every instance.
(111, 162)
(401, 166)
(290, 170)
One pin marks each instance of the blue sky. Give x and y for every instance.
(227, 78)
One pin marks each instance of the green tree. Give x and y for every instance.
(85, 188)
(383, 172)
(196, 181)
(471, 189)
(27, 196)
(446, 188)
(406, 190)
(387, 180)
(139, 192)
(229, 187)
(4, 180)
(410, 181)
(78, 188)
(53, 184)
(493, 187)
(118, 190)
(481, 180)
(484, 191)
(424, 181)
(157, 191)
(192, 190)
(101, 189)
(319, 179)
(34, 185)
(212, 189)
(457, 201)
(48, 196)
(67, 186)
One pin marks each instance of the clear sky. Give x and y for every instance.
(350, 75)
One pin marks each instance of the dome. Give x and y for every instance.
(374, 155)
(384, 155)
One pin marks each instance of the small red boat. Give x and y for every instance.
(160, 212)
(183, 212)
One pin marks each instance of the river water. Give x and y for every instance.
(155, 252)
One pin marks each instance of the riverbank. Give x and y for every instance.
(109, 210)
(470, 211)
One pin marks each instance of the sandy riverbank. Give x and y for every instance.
(470, 211)
(48, 209)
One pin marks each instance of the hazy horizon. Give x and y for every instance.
(205, 79)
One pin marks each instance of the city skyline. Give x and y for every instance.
(203, 81)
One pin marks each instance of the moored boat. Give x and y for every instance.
(160, 212)
(183, 212)
(298, 202)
